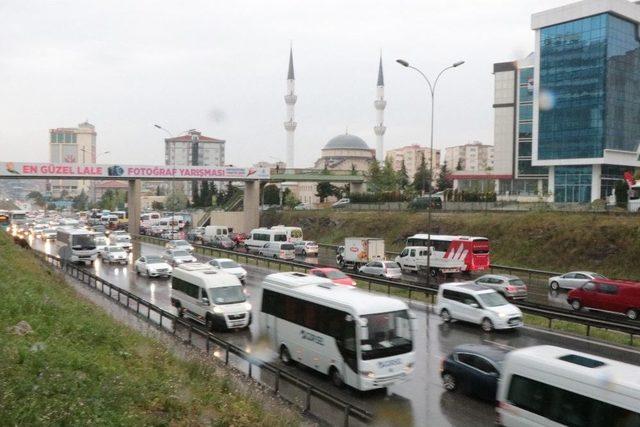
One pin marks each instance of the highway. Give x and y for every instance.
(420, 401)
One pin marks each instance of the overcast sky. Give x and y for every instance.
(220, 67)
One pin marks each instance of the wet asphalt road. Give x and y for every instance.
(421, 401)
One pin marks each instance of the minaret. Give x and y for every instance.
(380, 104)
(290, 99)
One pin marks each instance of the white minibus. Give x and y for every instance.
(149, 219)
(260, 236)
(210, 296)
(294, 234)
(552, 386)
(80, 243)
(360, 339)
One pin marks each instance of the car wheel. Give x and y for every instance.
(445, 316)
(285, 356)
(487, 325)
(336, 378)
(576, 305)
(554, 285)
(632, 314)
(449, 382)
(146, 271)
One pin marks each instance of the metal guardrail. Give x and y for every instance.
(550, 313)
(145, 309)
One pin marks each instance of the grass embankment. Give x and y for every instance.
(80, 367)
(554, 241)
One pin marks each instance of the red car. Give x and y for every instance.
(333, 274)
(614, 296)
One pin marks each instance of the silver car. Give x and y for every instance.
(177, 256)
(386, 269)
(306, 247)
(573, 279)
(509, 286)
(179, 244)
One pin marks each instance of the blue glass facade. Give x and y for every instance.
(590, 81)
(572, 184)
(525, 126)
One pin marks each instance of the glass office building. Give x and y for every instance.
(588, 102)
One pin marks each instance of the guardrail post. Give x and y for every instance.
(226, 355)
(307, 404)
(161, 319)
(190, 332)
(207, 344)
(250, 366)
(277, 385)
(550, 319)
(148, 312)
(631, 340)
(588, 329)
(138, 306)
(347, 408)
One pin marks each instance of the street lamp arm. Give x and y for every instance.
(426, 79)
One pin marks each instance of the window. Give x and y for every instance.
(477, 362)
(185, 287)
(579, 276)
(607, 289)
(566, 407)
(412, 252)
(582, 361)
(589, 287)
(452, 295)
(404, 253)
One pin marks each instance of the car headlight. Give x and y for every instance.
(178, 261)
(368, 374)
(217, 310)
(502, 315)
(247, 306)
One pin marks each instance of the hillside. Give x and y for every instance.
(552, 241)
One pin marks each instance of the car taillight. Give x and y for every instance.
(442, 364)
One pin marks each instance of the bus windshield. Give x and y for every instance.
(387, 334)
(83, 241)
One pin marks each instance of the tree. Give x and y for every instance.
(37, 198)
(460, 165)
(444, 178)
(81, 201)
(388, 176)
(621, 190)
(373, 175)
(271, 195)
(158, 191)
(108, 201)
(157, 206)
(290, 200)
(176, 200)
(403, 176)
(324, 190)
(423, 177)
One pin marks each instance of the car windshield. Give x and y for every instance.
(335, 274)
(227, 295)
(122, 239)
(296, 234)
(50, 230)
(386, 334)
(181, 243)
(492, 299)
(228, 264)
(152, 259)
(83, 241)
(179, 253)
(287, 247)
(115, 249)
(516, 282)
(312, 243)
(391, 265)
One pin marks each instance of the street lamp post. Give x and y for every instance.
(432, 92)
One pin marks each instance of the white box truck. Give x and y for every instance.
(358, 251)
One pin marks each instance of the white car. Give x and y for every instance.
(470, 302)
(573, 279)
(115, 254)
(179, 244)
(303, 207)
(386, 269)
(152, 266)
(177, 257)
(123, 241)
(49, 234)
(305, 248)
(230, 266)
(342, 202)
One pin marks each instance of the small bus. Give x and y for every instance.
(294, 234)
(149, 219)
(260, 236)
(551, 386)
(474, 251)
(122, 216)
(359, 339)
(17, 218)
(80, 243)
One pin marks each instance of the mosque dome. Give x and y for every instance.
(346, 142)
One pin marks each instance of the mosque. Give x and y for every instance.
(342, 152)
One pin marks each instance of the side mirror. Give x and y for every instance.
(205, 300)
(474, 305)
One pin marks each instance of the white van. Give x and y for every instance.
(260, 236)
(294, 234)
(477, 304)
(553, 386)
(210, 296)
(149, 219)
(211, 231)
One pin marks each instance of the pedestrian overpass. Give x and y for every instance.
(135, 174)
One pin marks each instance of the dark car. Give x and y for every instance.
(473, 369)
(424, 202)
